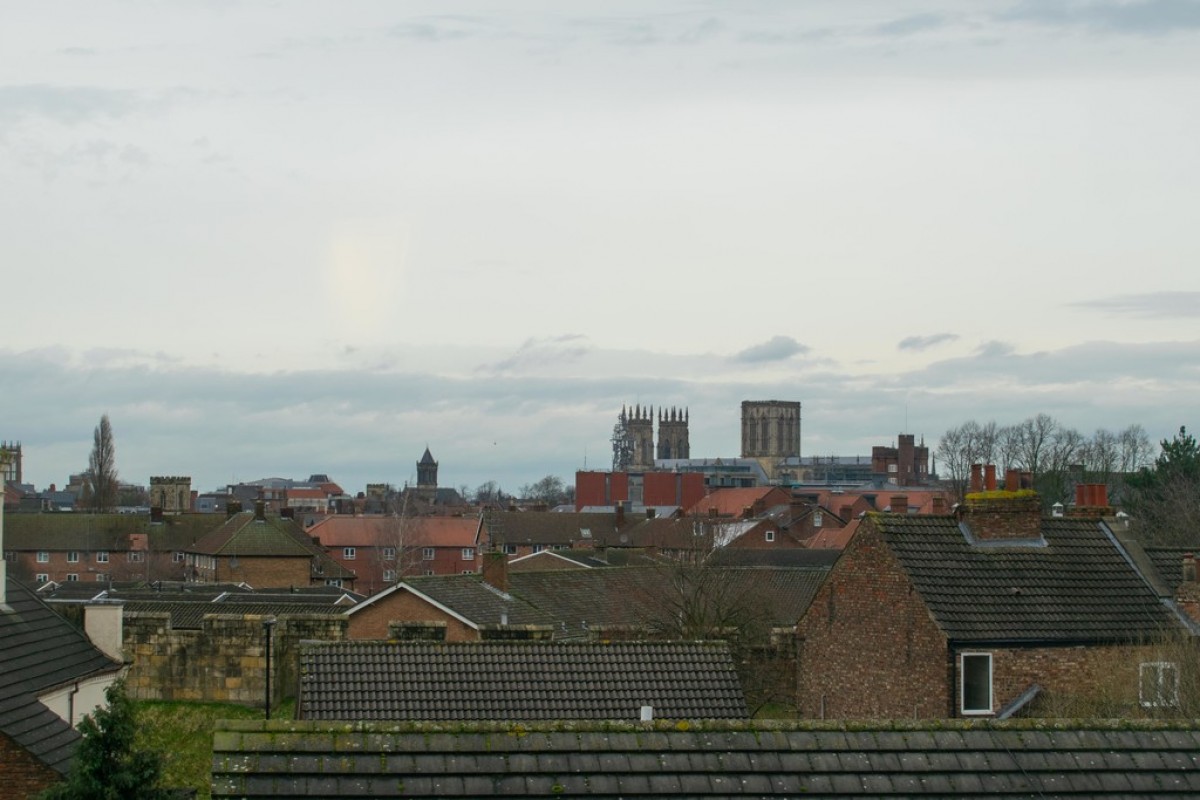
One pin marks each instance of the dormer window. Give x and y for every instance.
(817, 519)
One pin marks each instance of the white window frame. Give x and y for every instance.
(101, 577)
(349, 553)
(335, 582)
(72, 577)
(817, 519)
(389, 554)
(72, 556)
(468, 553)
(1164, 676)
(427, 554)
(770, 536)
(389, 576)
(962, 684)
(41, 577)
(43, 556)
(136, 556)
(537, 548)
(509, 549)
(101, 556)
(177, 556)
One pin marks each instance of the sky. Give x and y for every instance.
(285, 238)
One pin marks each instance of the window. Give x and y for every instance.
(389, 576)
(770, 536)
(1158, 685)
(818, 520)
(41, 577)
(427, 554)
(348, 553)
(468, 553)
(43, 557)
(72, 577)
(537, 548)
(72, 556)
(137, 556)
(177, 556)
(334, 582)
(428, 572)
(509, 549)
(10, 555)
(101, 556)
(586, 533)
(976, 683)
(101, 577)
(389, 554)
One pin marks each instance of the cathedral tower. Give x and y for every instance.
(673, 434)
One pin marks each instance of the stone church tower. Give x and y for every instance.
(640, 425)
(427, 474)
(673, 433)
(770, 428)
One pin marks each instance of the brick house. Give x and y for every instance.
(974, 614)
(381, 549)
(264, 552)
(44, 547)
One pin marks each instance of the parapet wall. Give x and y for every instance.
(222, 662)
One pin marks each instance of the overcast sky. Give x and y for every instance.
(277, 238)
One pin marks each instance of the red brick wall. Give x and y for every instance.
(21, 775)
(372, 621)
(869, 648)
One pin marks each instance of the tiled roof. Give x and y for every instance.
(834, 538)
(39, 650)
(388, 531)
(90, 532)
(243, 535)
(1168, 562)
(550, 528)
(730, 502)
(495, 680)
(469, 597)
(257, 760)
(1078, 587)
(772, 557)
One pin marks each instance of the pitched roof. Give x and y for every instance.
(39, 651)
(731, 502)
(552, 528)
(378, 530)
(496, 680)
(1077, 587)
(243, 535)
(90, 532)
(258, 760)
(467, 597)
(772, 557)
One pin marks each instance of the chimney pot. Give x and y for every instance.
(977, 478)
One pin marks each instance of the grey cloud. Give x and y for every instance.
(1144, 18)
(995, 349)
(541, 352)
(919, 343)
(443, 28)
(1154, 304)
(907, 26)
(778, 348)
(66, 104)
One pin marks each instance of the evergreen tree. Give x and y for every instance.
(106, 766)
(1165, 498)
(102, 468)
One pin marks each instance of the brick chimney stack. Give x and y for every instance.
(899, 504)
(976, 478)
(989, 477)
(495, 570)
(1009, 518)
(260, 510)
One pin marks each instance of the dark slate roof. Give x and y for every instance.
(1168, 561)
(472, 599)
(549, 529)
(496, 680)
(258, 760)
(39, 651)
(1078, 587)
(772, 557)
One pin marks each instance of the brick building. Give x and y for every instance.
(906, 464)
(975, 614)
(649, 489)
(264, 552)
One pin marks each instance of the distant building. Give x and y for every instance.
(633, 437)
(907, 464)
(770, 429)
(10, 461)
(680, 489)
(173, 494)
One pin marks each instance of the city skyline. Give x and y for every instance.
(274, 241)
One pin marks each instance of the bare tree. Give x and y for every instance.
(102, 468)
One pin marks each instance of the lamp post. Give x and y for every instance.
(268, 624)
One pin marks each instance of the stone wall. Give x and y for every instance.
(224, 661)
